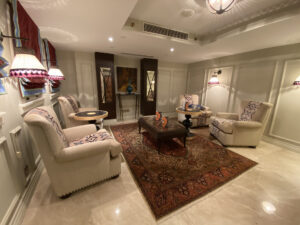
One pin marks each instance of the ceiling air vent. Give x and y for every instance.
(165, 31)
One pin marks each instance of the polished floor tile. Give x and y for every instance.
(267, 194)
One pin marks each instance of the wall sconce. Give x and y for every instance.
(297, 81)
(55, 73)
(214, 78)
(26, 65)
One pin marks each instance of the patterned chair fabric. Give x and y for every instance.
(244, 129)
(75, 157)
(100, 135)
(198, 121)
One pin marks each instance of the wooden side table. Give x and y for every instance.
(187, 123)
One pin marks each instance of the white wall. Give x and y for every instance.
(263, 75)
(172, 81)
(16, 148)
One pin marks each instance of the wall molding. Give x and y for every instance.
(2, 114)
(279, 91)
(25, 107)
(17, 215)
(281, 143)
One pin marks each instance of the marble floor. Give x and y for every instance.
(267, 194)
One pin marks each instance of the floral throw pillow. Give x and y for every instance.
(250, 110)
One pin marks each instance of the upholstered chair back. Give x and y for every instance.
(46, 131)
(193, 98)
(67, 105)
(255, 111)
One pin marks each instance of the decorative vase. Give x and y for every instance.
(129, 88)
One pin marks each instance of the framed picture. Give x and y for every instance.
(127, 79)
(2, 88)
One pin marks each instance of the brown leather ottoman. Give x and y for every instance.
(174, 129)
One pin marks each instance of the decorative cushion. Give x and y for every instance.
(250, 110)
(73, 104)
(54, 122)
(98, 136)
(224, 125)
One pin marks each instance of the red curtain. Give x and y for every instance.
(29, 30)
(52, 54)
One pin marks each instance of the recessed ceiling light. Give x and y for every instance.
(172, 49)
(111, 39)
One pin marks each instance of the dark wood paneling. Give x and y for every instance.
(106, 60)
(148, 108)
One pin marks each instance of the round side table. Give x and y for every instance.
(187, 122)
(91, 116)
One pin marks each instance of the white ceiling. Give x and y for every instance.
(85, 26)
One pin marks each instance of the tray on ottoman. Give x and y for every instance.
(154, 128)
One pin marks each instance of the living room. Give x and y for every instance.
(149, 112)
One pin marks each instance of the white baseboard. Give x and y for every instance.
(18, 208)
(281, 143)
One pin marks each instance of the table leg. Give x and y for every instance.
(139, 128)
(187, 123)
(184, 140)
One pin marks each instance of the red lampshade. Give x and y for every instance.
(26, 65)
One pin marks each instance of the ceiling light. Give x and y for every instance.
(297, 81)
(111, 39)
(220, 6)
(172, 49)
(268, 207)
(26, 65)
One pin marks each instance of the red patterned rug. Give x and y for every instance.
(172, 178)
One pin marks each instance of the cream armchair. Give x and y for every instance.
(68, 107)
(243, 129)
(197, 121)
(75, 157)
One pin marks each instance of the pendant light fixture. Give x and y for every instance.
(26, 65)
(220, 6)
(214, 78)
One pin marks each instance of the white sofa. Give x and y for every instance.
(244, 128)
(75, 157)
(68, 107)
(197, 121)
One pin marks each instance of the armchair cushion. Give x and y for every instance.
(247, 124)
(100, 135)
(75, 133)
(224, 125)
(230, 116)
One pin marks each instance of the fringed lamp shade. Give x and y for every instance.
(297, 81)
(26, 65)
(220, 6)
(55, 74)
(214, 80)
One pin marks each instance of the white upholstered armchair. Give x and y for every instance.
(75, 157)
(197, 121)
(68, 107)
(244, 128)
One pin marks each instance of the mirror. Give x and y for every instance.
(106, 85)
(150, 85)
